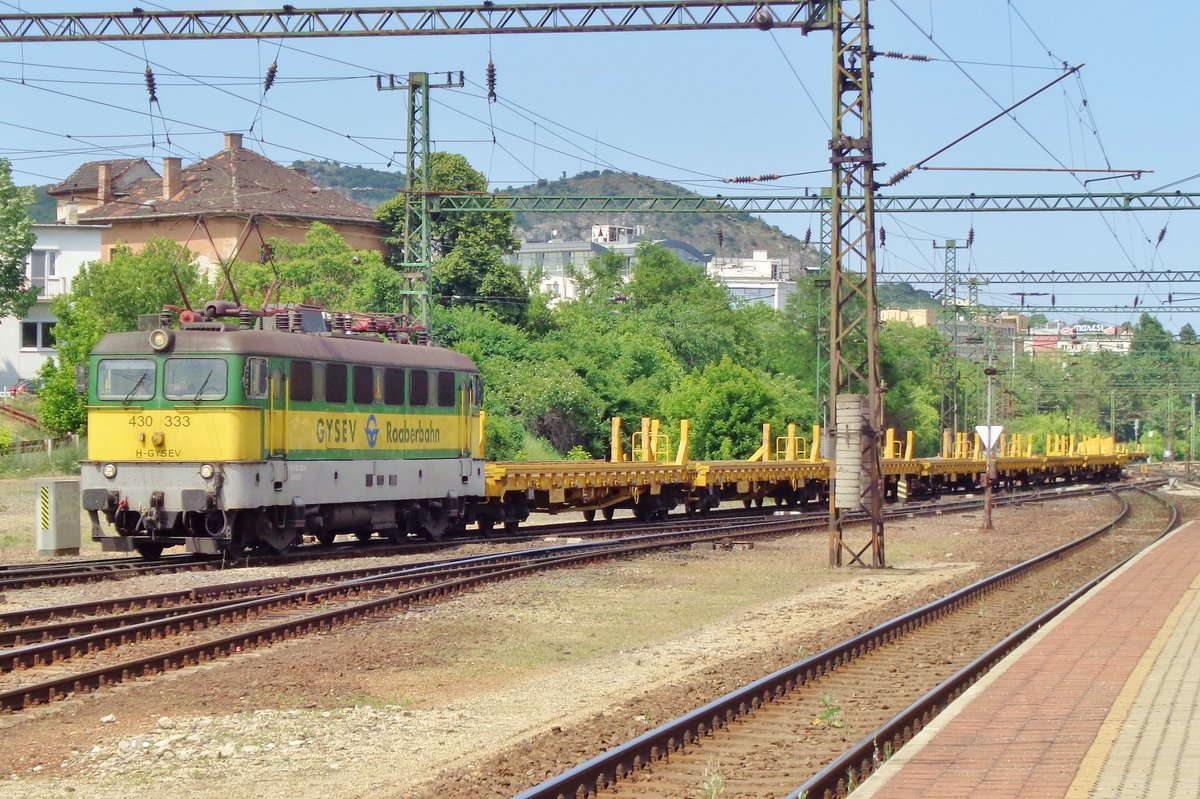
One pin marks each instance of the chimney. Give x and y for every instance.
(103, 184)
(71, 217)
(171, 181)
(233, 141)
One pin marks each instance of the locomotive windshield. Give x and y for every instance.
(194, 379)
(125, 379)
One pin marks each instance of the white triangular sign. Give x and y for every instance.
(989, 434)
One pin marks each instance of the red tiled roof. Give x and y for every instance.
(237, 181)
(85, 178)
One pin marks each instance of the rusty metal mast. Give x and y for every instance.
(854, 314)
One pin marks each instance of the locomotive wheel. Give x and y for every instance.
(432, 524)
(512, 525)
(486, 525)
(268, 536)
(148, 549)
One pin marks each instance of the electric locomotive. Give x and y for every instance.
(222, 436)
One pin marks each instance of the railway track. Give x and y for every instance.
(786, 734)
(48, 653)
(32, 575)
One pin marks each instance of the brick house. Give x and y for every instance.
(218, 207)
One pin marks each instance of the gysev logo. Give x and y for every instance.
(336, 431)
(372, 431)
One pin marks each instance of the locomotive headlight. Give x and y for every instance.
(207, 471)
(109, 470)
(161, 339)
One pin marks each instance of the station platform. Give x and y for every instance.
(1102, 702)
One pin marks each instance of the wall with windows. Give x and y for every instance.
(26, 343)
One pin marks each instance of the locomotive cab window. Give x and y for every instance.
(445, 390)
(195, 379)
(125, 379)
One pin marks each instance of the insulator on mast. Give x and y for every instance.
(491, 81)
(150, 86)
(808, 237)
(269, 81)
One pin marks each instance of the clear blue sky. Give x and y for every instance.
(689, 107)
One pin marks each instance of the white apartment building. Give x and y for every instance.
(555, 261)
(758, 278)
(26, 343)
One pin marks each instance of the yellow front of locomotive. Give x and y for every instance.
(168, 416)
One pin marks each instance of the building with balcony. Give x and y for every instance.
(58, 253)
(757, 279)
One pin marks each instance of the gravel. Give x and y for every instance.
(457, 699)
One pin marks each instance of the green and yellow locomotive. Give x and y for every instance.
(220, 436)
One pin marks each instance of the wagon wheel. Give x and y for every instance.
(486, 524)
(363, 537)
(607, 513)
(325, 538)
(589, 515)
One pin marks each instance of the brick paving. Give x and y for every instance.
(1103, 702)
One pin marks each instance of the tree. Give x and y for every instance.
(728, 405)
(322, 270)
(16, 242)
(107, 298)
(1149, 337)
(1187, 334)
(469, 266)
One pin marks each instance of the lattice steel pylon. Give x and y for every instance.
(950, 312)
(854, 312)
(416, 266)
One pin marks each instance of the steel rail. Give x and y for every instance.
(479, 570)
(99, 569)
(606, 769)
(76, 613)
(536, 560)
(862, 759)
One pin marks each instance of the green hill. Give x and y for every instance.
(723, 235)
(741, 233)
(42, 209)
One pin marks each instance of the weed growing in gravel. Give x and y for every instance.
(983, 610)
(851, 780)
(714, 781)
(831, 714)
